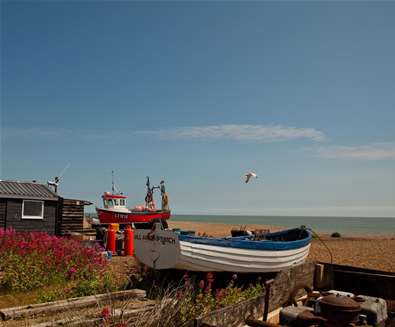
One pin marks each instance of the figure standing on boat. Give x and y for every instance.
(149, 198)
(165, 197)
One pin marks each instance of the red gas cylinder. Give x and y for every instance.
(111, 239)
(129, 241)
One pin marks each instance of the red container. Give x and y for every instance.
(110, 246)
(129, 241)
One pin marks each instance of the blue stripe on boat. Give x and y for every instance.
(272, 241)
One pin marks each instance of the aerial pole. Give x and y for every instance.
(112, 177)
(55, 183)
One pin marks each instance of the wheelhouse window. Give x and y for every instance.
(32, 209)
(122, 202)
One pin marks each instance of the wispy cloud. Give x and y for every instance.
(257, 133)
(329, 211)
(46, 132)
(379, 151)
(53, 133)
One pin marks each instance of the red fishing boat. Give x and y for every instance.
(115, 211)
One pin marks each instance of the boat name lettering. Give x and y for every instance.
(121, 216)
(157, 238)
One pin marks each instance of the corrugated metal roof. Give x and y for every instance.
(26, 190)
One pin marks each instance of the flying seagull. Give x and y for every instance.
(249, 175)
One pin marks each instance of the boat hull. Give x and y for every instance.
(199, 257)
(115, 217)
(278, 251)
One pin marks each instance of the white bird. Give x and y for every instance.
(250, 175)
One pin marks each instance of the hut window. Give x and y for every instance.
(32, 209)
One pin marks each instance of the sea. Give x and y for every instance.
(347, 225)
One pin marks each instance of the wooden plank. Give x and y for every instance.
(14, 217)
(361, 281)
(284, 281)
(233, 315)
(3, 212)
(251, 321)
(73, 224)
(73, 214)
(73, 303)
(84, 321)
(71, 220)
(359, 269)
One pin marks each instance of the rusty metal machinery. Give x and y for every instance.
(336, 310)
(339, 310)
(328, 309)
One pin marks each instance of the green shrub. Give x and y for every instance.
(197, 301)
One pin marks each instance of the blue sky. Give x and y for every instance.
(198, 94)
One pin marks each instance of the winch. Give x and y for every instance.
(336, 309)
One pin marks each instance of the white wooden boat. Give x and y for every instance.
(164, 249)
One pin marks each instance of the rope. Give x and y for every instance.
(329, 250)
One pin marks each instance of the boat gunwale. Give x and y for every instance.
(141, 213)
(241, 242)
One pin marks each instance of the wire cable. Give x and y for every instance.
(329, 250)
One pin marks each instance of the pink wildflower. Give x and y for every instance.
(210, 277)
(105, 313)
(72, 270)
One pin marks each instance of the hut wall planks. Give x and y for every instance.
(46, 224)
(72, 216)
(3, 212)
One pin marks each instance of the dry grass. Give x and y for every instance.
(72, 315)
(12, 300)
(164, 313)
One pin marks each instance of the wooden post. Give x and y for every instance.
(251, 321)
(319, 276)
(268, 283)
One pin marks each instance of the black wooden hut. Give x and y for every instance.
(31, 206)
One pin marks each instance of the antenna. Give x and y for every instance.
(112, 187)
(63, 171)
(148, 183)
(55, 183)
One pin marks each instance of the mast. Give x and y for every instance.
(112, 187)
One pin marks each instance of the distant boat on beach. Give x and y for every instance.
(270, 252)
(114, 210)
